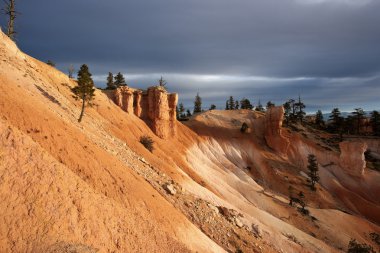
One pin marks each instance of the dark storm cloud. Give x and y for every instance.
(327, 51)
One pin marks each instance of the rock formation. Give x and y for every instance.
(352, 157)
(273, 130)
(155, 106)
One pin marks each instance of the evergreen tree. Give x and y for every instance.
(336, 121)
(302, 202)
(110, 83)
(227, 107)
(293, 110)
(375, 122)
(236, 105)
(358, 117)
(119, 80)
(85, 89)
(270, 104)
(181, 110)
(319, 119)
(162, 82)
(245, 104)
(231, 103)
(348, 125)
(51, 63)
(197, 104)
(212, 107)
(313, 170)
(300, 114)
(287, 111)
(177, 112)
(259, 107)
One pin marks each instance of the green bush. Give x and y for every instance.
(244, 128)
(148, 142)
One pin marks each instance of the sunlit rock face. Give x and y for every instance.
(352, 157)
(155, 106)
(273, 130)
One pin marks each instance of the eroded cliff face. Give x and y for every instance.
(273, 130)
(155, 106)
(352, 157)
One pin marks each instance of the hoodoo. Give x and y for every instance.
(352, 157)
(155, 106)
(273, 130)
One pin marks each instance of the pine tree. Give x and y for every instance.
(358, 116)
(259, 107)
(270, 104)
(212, 107)
(197, 104)
(319, 119)
(375, 122)
(188, 113)
(287, 110)
(227, 106)
(245, 104)
(236, 105)
(231, 103)
(302, 202)
(119, 80)
(336, 121)
(85, 89)
(177, 112)
(110, 83)
(162, 82)
(50, 63)
(181, 110)
(313, 170)
(300, 114)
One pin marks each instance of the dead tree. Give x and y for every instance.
(10, 11)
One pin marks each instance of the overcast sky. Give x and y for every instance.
(328, 51)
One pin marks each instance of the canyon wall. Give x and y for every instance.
(155, 106)
(351, 158)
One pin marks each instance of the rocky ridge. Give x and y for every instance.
(155, 106)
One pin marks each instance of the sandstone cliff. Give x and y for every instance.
(155, 106)
(352, 157)
(273, 130)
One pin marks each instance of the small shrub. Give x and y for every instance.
(148, 142)
(355, 247)
(244, 128)
(375, 237)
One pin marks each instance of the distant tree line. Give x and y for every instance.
(294, 111)
(352, 124)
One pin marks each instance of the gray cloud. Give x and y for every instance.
(327, 51)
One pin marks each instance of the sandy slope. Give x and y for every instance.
(61, 182)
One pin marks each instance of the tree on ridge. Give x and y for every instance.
(197, 104)
(85, 89)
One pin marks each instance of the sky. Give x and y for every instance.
(326, 51)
